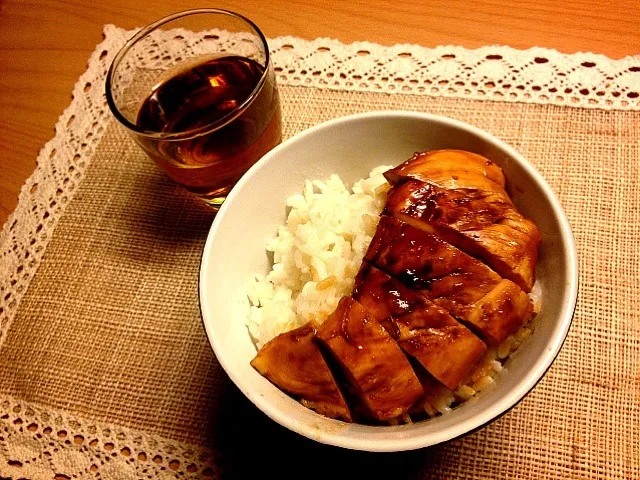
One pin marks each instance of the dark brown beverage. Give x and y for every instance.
(224, 130)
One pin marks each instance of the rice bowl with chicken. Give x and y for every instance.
(317, 258)
(351, 146)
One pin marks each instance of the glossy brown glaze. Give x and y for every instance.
(425, 262)
(444, 347)
(483, 223)
(293, 362)
(502, 311)
(372, 361)
(450, 278)
(449, 169)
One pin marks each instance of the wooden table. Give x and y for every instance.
(44, 44)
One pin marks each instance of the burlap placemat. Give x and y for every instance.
(105, 369)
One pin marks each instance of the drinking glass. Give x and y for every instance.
(197, 91)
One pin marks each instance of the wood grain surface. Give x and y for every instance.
(44, 44)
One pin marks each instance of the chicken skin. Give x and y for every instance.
(293, 362)
(444, 347)
(465, 287)
(373, 362)
(469, 209)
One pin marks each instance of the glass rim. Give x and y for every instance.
(194, 132)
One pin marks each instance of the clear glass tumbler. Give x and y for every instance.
(197, 92)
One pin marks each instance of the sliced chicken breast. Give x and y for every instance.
(465, 287)
(293, 362)
(373, 362)
(444, 347)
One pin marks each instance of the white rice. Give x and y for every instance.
(316, 254)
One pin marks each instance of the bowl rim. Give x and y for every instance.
(485, 417)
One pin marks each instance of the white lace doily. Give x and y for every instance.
(36, 443)
(536, 75)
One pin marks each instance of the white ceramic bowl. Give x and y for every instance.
(352, 146)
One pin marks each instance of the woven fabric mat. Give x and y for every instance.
(105, 369)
